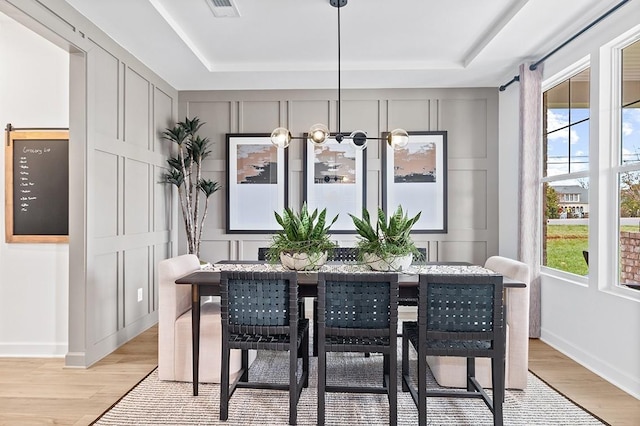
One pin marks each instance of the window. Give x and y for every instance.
(628, 169)
(565, 174)
(568, 198)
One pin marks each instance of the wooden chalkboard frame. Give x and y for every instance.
(22, 135)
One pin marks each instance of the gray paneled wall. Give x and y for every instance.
(130, 217)
(470, 116)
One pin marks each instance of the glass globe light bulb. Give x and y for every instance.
(281, 137)
(398, 138)
(358, 139)
(318, 134)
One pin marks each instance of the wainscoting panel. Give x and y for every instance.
(162, 119)
(136, 109)
(136, 279)
(106, 191)
(463, 251)
(467, 123)
(160, 252)
(468, 115)
(468, 197)
(409, 114)
(136, 197)
(162, 198)
(104, 96)
(305, 114)
(258, 116)
(214, 251)
(105, 289)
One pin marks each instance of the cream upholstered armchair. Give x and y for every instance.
(174, 333)
(450, 371)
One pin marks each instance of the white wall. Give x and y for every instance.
(585, 318)
(34, 92)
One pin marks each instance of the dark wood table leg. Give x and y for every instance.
(315, 326)
(195, 334)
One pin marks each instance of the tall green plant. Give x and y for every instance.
(390, 237)
(303, 232)
(185, 172)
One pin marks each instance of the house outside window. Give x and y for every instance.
(565, 174)
(628, 167)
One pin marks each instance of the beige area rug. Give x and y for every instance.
(155, 402)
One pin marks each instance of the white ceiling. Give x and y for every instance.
(292, 44)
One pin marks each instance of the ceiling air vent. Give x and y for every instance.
(223, 8)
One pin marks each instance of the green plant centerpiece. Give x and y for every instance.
(185, 173)
(388, 246)
(303, 243)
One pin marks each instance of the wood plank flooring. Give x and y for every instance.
(44, 392)
(587, 389)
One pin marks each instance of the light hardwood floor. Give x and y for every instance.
(44, 392)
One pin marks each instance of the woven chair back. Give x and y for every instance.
(461, 304)
(357, 304)
(358, 301)
(258, 298)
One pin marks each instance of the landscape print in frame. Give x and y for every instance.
(256, 183)
(334, 178)
(416, 178)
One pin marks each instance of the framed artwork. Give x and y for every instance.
(416, 178)
(335, 179)
(257, 186)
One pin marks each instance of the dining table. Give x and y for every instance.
(206, 282)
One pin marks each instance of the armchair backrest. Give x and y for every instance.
(509, 268)
(517, 316)
(174, 300)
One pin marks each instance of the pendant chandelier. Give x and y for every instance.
(319, 133)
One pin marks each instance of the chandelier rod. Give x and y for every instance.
(319, 133)
(339, 87)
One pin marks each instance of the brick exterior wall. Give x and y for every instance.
(630, 257)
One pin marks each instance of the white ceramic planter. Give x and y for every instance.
(302, 261)
(391, 263)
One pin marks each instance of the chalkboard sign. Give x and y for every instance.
(37, 186)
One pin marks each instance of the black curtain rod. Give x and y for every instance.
(533, 66)
(597, 21)
(513, 80)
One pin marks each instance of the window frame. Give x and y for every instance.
(549, 83)
(613, 52)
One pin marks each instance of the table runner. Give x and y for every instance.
(354, 268)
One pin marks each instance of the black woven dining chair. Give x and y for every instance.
(358, 313)
(462, 316)
(259, 310)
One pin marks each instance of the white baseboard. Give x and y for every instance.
(33, 350)
(596, 365)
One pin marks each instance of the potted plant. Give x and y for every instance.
(388, 246)
(185, 172)
(303, 243)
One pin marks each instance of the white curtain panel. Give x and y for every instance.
(529, 184)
